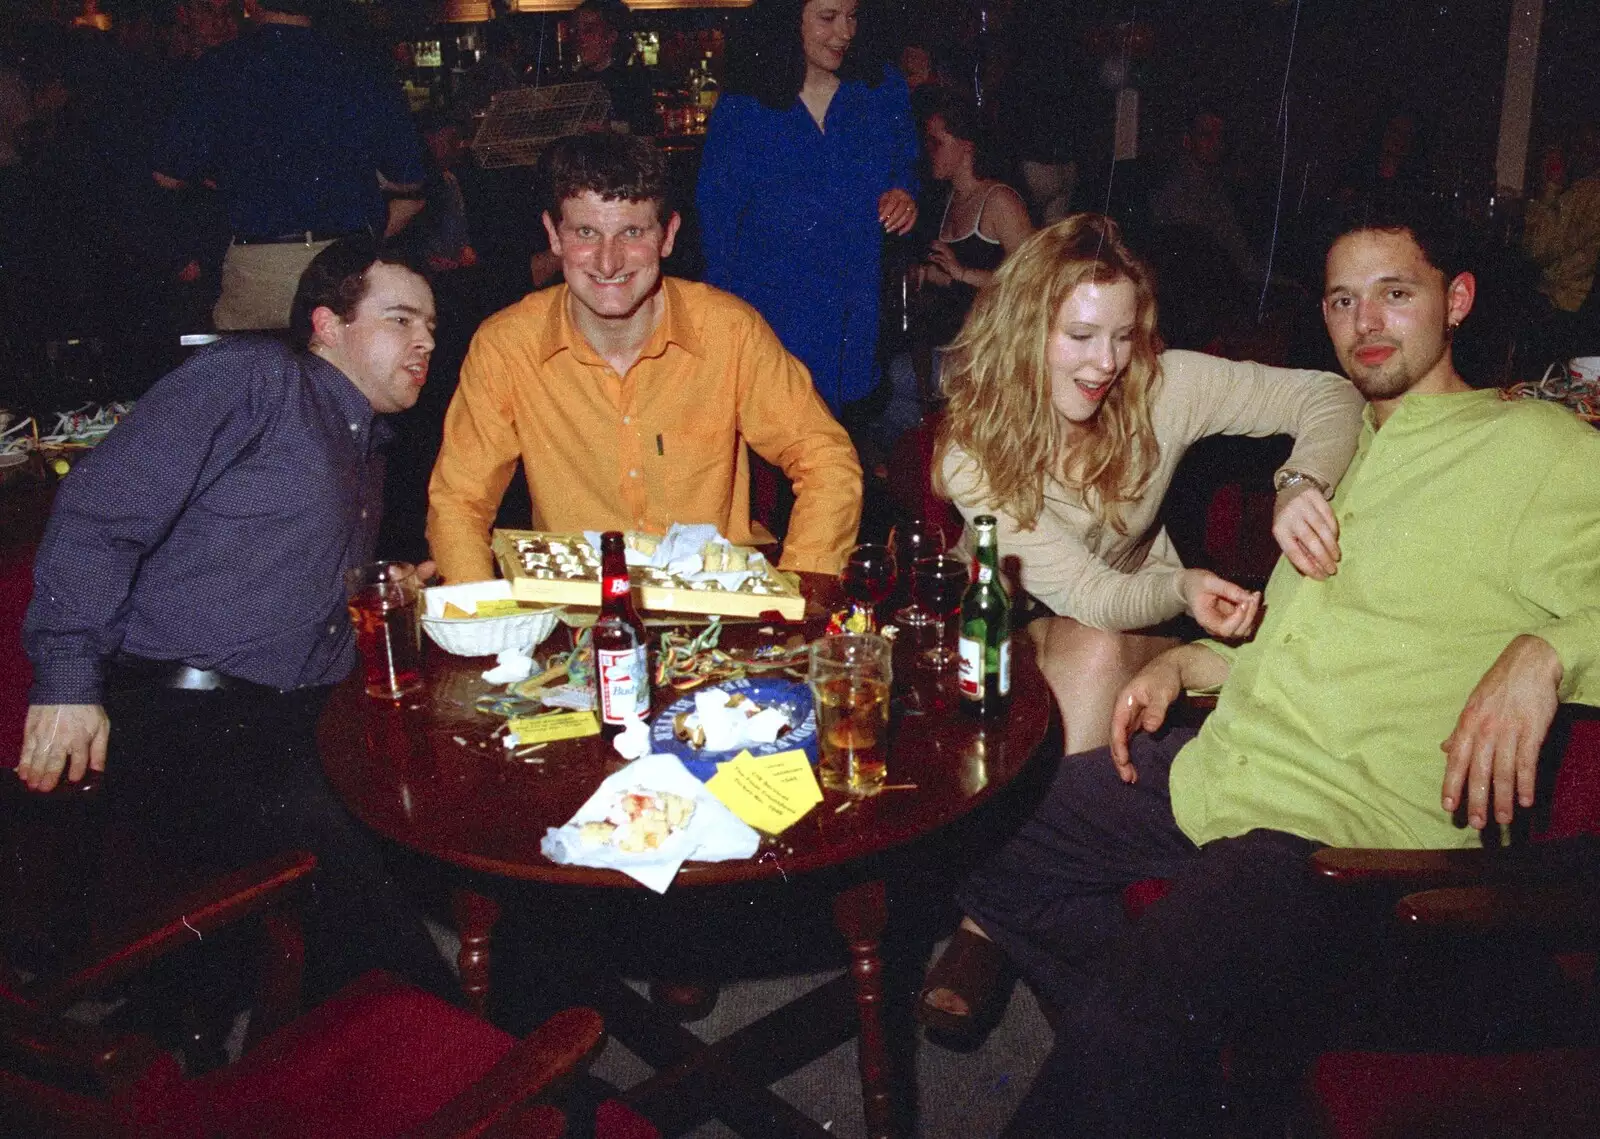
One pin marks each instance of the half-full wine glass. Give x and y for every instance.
(938, 583)
(868, 578)
(913, 541)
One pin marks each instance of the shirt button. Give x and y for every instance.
(633, 474)
(355, 428)
(363, 514)
(627, 419)
(332, 629)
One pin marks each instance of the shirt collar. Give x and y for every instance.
(352, 404)
(559, 334)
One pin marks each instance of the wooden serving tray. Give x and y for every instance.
(784, 599)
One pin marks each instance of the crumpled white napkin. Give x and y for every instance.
(714, 834)
(730, 728)
(634, 739)
(514, 666)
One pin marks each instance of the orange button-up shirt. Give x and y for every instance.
(664, 443)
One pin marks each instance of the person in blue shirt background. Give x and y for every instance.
(810, 159)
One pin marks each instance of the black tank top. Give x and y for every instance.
(948, 305)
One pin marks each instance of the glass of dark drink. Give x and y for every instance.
(912, 541)
(938, 584)
(868, 578)
(382, 598)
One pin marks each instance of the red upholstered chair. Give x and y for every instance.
(1549, 1093)
(378, 1059)
(1528, 892)
(1544, 899)
(911, 478)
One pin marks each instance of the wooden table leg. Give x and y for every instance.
(860, 913)
(475, 920)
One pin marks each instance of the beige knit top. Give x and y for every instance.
(1080, 568)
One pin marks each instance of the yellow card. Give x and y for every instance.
(554, 726)
(771, 793)
(498, 607)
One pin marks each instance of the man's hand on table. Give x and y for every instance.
(62, 737)
(1493, 754)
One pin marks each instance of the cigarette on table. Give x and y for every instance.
(844, 806)
(899, 787)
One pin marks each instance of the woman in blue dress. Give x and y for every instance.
(810, 159)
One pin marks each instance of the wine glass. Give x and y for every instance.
(868, 578)
(939, 582)
(912, 541)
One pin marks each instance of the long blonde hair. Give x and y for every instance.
(998, 383)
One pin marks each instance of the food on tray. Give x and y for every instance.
(563, 569)
(640, 821)
(451, 609)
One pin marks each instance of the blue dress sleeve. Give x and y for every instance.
(901, 132)
(724, 188)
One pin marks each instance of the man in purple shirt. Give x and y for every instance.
(189, 616)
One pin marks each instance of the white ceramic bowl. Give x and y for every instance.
(482, 636)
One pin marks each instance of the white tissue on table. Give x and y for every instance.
(728, 728)
(634, 739)
(515, 665)
(714, 833)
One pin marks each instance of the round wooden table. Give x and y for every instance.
(424, 772)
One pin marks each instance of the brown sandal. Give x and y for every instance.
(977, 972)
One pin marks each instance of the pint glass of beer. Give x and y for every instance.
(850, 677)
(383, 607)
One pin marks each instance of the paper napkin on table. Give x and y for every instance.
(771, 793)
(714, 833)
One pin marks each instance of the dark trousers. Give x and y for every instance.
(1141, 1008)
(199, 783)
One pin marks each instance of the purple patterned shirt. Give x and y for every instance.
(213, 526)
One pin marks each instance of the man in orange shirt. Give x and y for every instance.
(631, 397)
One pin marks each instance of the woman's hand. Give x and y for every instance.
(1222, 608)
(897, 211)
(1307, 532)
(943, 258)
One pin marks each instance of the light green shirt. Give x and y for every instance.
(1463, 523)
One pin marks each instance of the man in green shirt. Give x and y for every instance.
(1399, 701)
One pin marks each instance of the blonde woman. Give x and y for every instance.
(1066, 421)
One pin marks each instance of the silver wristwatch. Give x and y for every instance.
(1287, 478)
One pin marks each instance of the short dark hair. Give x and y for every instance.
(336, 279)
(963, 120)
(1436, 231)
(617, 167)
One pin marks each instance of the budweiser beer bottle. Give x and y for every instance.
(622, 670)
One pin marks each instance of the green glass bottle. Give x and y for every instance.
(985, 668)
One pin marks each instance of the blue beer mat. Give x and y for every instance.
(793, 695)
